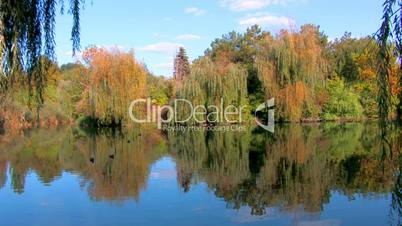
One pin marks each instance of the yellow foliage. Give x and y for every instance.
(291, 100)
(292, 67)
(114, 80)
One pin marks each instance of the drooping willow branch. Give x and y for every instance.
(390, 31)
(27, 32)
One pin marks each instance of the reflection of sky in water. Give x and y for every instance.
(165, 169)
(306, 176)
(162, 202)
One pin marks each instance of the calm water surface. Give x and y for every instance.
(326, 174)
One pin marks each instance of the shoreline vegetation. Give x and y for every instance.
(311, 78)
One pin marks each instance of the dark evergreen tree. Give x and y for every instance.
(181, 66)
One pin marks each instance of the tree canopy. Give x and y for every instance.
(114, 79)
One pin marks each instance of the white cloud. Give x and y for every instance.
(264, 19)
(113, 47)
(243, 5)
(78, 55)
(162, 47)
(188, 37)
(195, 11)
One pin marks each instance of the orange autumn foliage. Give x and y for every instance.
(114, 79)
(292, 99)
(292, 67)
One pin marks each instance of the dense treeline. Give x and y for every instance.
(100, 87)
(310, 77)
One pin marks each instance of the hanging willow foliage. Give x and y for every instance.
(390, 29)
(192, 92)
(209, 85)
(115, 79)
(3, 77)
(290, 66)
(294, 56)
(27, 31)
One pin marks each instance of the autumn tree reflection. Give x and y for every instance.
(118, 163)
(38, 152)
(113, 165)
(221, 155)
(296, 166)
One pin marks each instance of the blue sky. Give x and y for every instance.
(155, 29)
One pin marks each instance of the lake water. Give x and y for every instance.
(327, 174)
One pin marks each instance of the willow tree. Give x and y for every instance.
(27, 31)
(241, 49)
(292, 68)
(390, 30)
(114, 80)
(213, 85)
(191, 91)
(3, 78)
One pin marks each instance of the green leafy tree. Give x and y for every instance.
(241, 49)
(159, 89)
(342, 102)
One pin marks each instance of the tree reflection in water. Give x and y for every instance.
(113, 165)
(297, 167)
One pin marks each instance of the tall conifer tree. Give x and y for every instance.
(181, 66)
